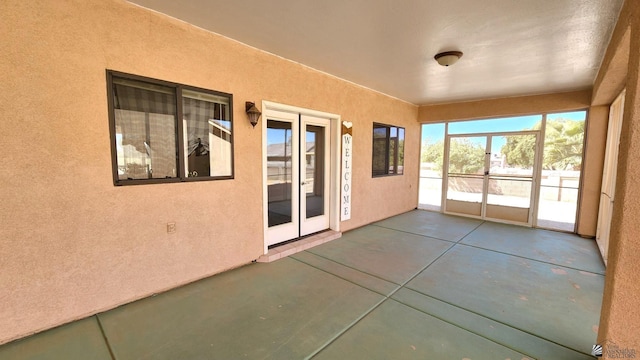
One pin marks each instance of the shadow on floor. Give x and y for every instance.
(421, 285)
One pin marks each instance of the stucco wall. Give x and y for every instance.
(72, 243)
(620, 318)
(593, 164)
(511, 106)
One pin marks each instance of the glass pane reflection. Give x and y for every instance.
(207, 129)
(314, 164)
(279, 169)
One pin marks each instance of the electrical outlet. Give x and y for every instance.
(171, 228)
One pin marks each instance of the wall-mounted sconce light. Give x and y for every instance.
(252, 112)
(448, 58)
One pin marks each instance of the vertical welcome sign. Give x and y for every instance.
(347, 168)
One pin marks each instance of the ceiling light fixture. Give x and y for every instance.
(448, 57)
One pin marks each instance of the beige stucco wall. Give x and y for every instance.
(592, 166)
(72, 243)
(502, 107)
(620, 318)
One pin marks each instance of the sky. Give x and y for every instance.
(435, 132)
(277, 136)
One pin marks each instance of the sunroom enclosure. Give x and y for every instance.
(523, 170)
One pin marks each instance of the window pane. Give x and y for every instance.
(145, 130)
(388, 150)
(431, 159)
(380, 150)
(400, 163)
(432, 149)
(279, 172)
(393, 145)
(207, 129)
(563, 140)
(315, 170)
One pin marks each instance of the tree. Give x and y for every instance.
(562, 146)
(465, 156)
(520, 150)
(432, 153)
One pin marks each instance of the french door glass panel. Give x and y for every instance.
(314, 185)
(315, 167)
(279, 172)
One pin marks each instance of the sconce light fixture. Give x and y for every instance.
(448, 57)
(252, 112)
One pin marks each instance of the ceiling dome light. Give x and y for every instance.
(448, 57)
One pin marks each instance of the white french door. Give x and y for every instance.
(297, 159)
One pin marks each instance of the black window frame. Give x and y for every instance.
(182, 176)
(397, 166)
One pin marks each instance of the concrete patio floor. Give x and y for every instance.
(420, 285)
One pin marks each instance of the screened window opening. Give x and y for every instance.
(561, 170)
(431, 166)
(150, 144)
(522, 170)
(388, 150)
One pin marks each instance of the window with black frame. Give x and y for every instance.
(388, 150)
(165, 132)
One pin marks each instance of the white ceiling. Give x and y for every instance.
(511, 47)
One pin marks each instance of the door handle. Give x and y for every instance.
(303, 183)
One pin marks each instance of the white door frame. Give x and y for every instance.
(271, 108)
(609, 173)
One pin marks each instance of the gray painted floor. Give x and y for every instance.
(420, 285)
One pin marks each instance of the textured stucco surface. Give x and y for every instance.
(72, 243)
(511, 106)
(592, 166)
(612, 76)
(620, 318)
